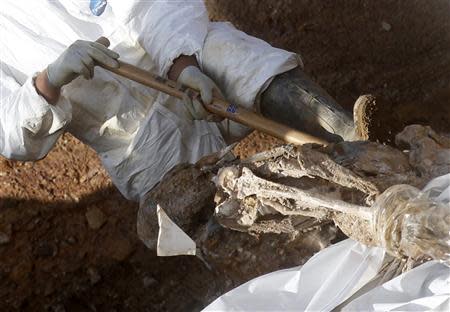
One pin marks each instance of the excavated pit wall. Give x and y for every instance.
(397, 50)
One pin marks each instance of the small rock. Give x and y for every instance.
(45, 250)
(49, 288)
(118, 248)
(95, 218)
(4, 238)
(71, 240)
(74, 197)
(21, 271)
(5, 166)
(32, 224)
(94, 276)
(386, 26)
(122, 249)
(58, 308)
(149, 281)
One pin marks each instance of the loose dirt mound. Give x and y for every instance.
(53, 257)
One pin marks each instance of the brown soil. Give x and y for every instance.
(395, 50)
(54, 261)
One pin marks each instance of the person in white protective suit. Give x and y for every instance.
(49, 84)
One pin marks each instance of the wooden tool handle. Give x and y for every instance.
(218, 106)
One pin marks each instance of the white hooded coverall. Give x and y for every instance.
(139, 133)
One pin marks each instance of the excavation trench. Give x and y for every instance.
(68, 238)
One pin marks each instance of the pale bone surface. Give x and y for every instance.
(278, 208)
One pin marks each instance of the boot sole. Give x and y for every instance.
(363, 112)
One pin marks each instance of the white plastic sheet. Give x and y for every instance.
(326, 280)
(426, 287)
(172, 241)
(335, 274)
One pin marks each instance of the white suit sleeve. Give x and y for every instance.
(29, 126)
(166, 29)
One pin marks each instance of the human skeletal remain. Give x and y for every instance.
(316, 182)
(277, 208)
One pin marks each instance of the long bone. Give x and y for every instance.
(249, 184)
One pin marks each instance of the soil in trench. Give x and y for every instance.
(68, 238)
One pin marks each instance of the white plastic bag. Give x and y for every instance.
(326, 280)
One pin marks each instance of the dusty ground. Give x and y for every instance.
(52, 259)
(396, 50)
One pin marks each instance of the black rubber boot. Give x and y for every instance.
(296, 101)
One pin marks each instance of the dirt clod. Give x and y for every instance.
(20, 272)
(94, 276)
(149, 282)
(4, 238)
(45, 249)
(386, 26)
(95, 218)
(119, 249)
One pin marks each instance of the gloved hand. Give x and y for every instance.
(193, 77)
(79, 59)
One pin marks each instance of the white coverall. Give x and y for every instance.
(139, 133)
